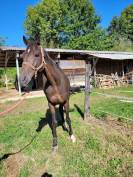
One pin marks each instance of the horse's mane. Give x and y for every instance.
(49, 59)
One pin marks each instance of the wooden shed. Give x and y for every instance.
(73, 61)
(93, 62)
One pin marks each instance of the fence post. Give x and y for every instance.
(87, 90)
(17, 66)
(6, 79)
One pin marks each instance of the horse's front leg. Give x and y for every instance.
(66, 106)
(54, 125)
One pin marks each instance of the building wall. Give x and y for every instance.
(105, 66)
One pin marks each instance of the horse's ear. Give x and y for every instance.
(25, 40)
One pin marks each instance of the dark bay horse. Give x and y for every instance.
(56, 85)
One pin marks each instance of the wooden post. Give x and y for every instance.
(122, 69)
(17, 66)
(94, 65)
(87, 90)
(6, 80)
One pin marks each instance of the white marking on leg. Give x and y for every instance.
(73, 138)
(55, 149)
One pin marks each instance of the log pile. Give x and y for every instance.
(111, 81)
(128, 78)
(104, 81)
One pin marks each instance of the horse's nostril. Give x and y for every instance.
(24, 78)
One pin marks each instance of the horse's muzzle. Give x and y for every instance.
(24, 80)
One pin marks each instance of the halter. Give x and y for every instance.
(36, 69)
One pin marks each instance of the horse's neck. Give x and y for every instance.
(49, 67)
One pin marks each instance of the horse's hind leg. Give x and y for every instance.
(62, 116)
(54, 125)
(66, 106)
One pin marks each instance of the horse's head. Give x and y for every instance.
(33, 61)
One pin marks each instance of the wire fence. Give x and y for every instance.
(119, 98)
(115, 115)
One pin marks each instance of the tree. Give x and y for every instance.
(43, 20)
(122, 27)
(79, 19)
(60, 22)
(98, 39)
(122, 44)
(127, 18)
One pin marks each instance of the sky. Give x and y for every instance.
(13, 13)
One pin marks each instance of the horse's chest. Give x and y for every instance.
(57, 99)
(54, 96)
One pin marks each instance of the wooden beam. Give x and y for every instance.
(87, 90)
(6, 80)
(94, 66)
(6, 61)
(123, 74)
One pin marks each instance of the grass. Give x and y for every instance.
(103, 149)
(114, 107)
(101, 106)
(118, 91)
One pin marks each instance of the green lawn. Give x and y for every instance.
(104, 146)
(119, 91)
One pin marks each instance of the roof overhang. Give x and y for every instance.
(8, 54)
(98, 54)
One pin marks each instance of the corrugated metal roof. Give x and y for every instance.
(113, 56)
(99, 54)
(6, 48)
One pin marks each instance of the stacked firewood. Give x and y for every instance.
(128, 78)
(104, 81)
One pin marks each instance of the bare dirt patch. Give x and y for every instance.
(53, 160)
(112, 124)
(39, 172)
(13, 165)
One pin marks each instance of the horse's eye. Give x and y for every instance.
(37, 55)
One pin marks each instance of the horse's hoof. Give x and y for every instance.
(73, 138)
(55, 148)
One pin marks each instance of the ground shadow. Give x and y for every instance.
(79, 111)
(76, 89)
(47, 120)
(46, 175)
